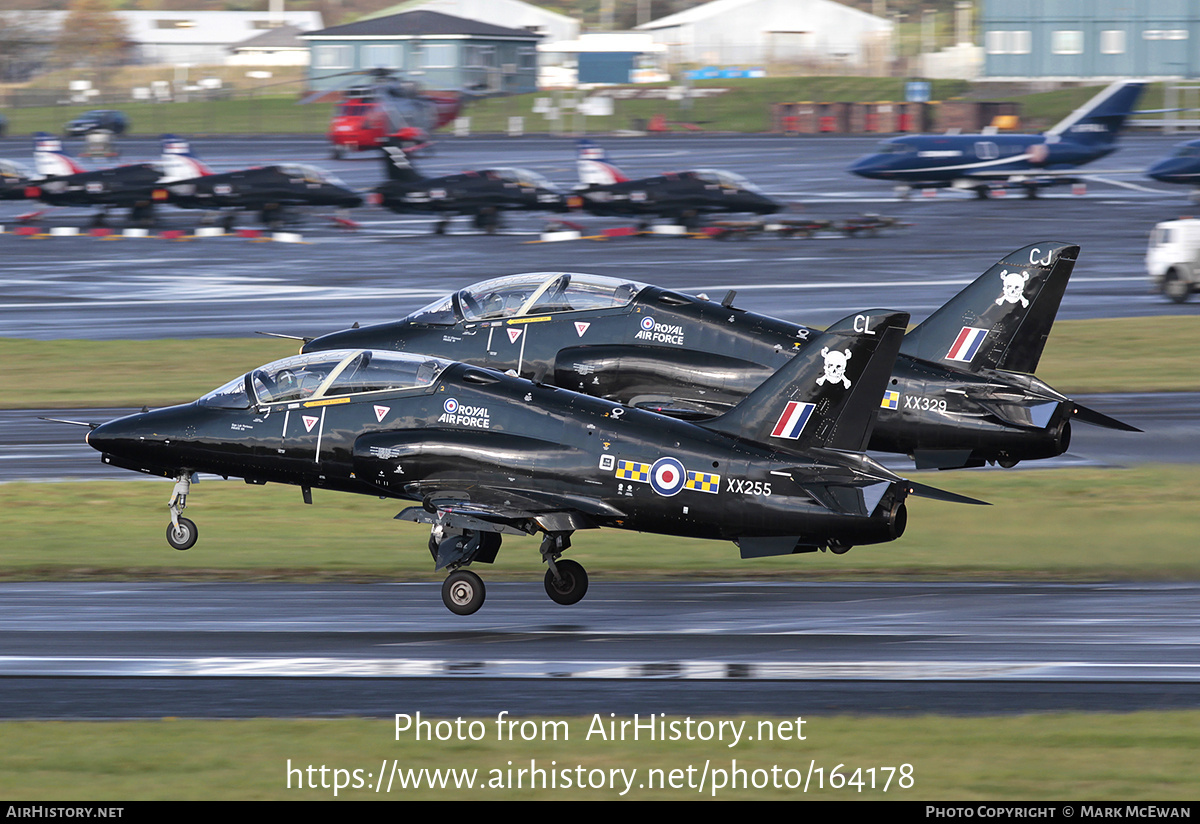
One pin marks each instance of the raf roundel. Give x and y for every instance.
(647, 323)
(451, 405)
(667, 476)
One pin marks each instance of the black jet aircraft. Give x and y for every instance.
(983, 162)
(488, 454)
(63, 182)
(271, 191)
(482, 194)
(962, 394)
(684, 197)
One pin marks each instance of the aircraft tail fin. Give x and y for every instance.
(829, 394)
(1001, 320)
(1098, 121)
(50, 159)
(594, 169)
(178, 162)
(398, 164)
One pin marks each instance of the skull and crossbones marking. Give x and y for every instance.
(1014, 288)
(835, 367)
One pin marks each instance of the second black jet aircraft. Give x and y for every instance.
(272, 191)
(482, 195)
(684, 197)
(963, 392)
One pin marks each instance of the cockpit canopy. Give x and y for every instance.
(329, 374)
(11, 170)
(534, 293)
(728, 179)
(522, 177)
(310, 174)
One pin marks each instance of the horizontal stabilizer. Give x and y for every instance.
(923, 491)
(1100, 419)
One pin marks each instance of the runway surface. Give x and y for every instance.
(221, 650)
(209, 650)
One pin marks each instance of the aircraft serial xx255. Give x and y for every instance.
(983, 162)
(963, 391)
(489, 454)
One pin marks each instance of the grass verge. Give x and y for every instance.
(1048, 525)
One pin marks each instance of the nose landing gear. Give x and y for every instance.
(181, 532)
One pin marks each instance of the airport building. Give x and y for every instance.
(810, 34)
(1084, 40)
(446, 52)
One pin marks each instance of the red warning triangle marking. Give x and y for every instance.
(513, 334)
(309, 422)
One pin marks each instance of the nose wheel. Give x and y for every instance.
(182, 535)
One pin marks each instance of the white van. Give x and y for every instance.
(1173, 258)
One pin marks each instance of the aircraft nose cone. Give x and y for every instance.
(865, 166)
(1175, 170)
(114, 435)
(147, 437)
(352, 339)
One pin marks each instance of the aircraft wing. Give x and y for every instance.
(463, 505)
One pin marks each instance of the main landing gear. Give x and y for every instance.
(463, 592)
(181, 532)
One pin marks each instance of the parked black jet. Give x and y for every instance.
(63, 182)
(271, 191)
(485, 453)
(684, 197)
(982, 162)
(962, 393)
(482, 194)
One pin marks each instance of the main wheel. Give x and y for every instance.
(463, 592)
(571, 586)
(183, 536)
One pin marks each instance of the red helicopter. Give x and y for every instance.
(386, 106)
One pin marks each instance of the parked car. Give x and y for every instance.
(107, 120)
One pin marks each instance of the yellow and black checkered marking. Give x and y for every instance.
(703, 482)
(633, 471)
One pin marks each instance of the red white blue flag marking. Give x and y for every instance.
(967, 344)
(791, 422)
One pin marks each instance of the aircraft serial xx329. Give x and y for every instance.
(983, 162)
(963, 391)
(488, 454)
